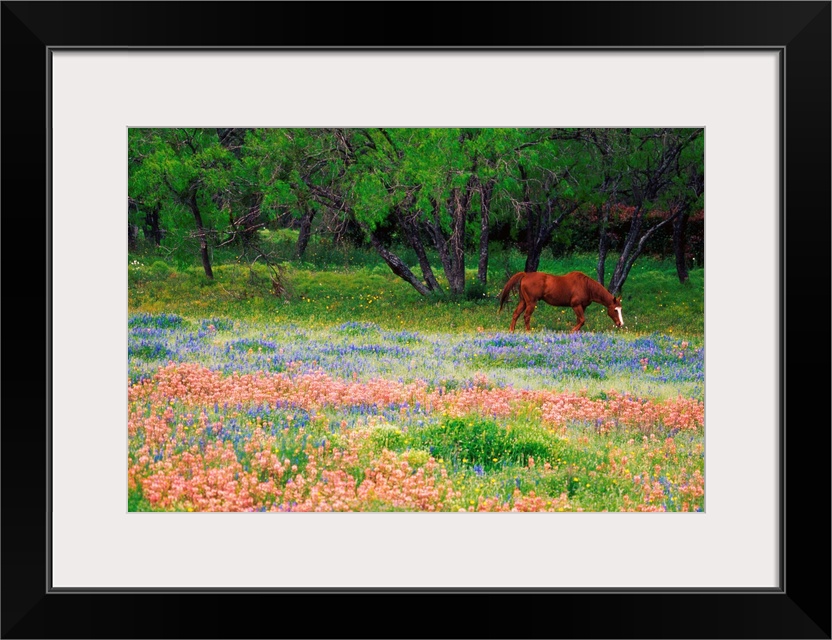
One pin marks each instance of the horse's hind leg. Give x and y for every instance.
(528, 316)
(517, 312)
(579, 313)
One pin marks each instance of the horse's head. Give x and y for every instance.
(614, 311)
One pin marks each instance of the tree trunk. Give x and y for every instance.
(633, 249)
(543, 227)
(537, 238)
(532, 241)
(539, 225)
(619, 274)
(132, 228)
(440, 243)
(452, 250)
(305, 231)
(485, 205)
(151, 228)
(603, 244)
(397, 266)
(132, 236)
(414, 239)
(533, 257)
(680, 226)
(203, 240)
(456, 279)
(439, 240)
(532, 223)
(424, 264)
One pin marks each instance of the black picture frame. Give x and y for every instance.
(800, 608)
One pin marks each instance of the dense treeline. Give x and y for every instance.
(439, 194)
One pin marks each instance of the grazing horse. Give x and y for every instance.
(575, 289)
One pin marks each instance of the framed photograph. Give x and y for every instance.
(92, 90)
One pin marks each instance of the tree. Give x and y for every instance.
(641, 167)
(547, 182)
(243, 197)
(548, 196)
(495, 151)
(381, 192)
(181, 171)
(438, 173)
(452, 177)
(435, 192)
(692, 184)
(299, 171)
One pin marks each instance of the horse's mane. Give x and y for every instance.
(597, 288)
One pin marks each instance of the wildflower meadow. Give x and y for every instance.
(237, 412)
(314, 319)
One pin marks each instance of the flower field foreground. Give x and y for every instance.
(649, 366)
(298, 435)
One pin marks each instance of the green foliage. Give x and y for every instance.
(548, 184)
(371, 203)
(485, 443)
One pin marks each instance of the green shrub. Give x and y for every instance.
(476, 290)
(136, 500)
(476, 441)
(388, 437)
(159, 270)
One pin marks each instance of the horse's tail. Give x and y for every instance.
(512, 282)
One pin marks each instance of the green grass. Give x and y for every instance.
(654, 299)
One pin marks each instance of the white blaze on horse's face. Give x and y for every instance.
(620, 317)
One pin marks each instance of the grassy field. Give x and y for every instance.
(352, 287)
(352, 392)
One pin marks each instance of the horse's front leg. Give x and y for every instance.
(579, 314)
(517, 312)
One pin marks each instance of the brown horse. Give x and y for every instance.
(574, 289)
